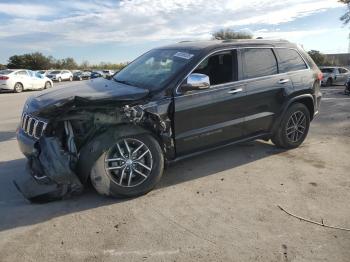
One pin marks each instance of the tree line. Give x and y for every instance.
(38, 61)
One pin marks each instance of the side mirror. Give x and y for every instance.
(195, 81)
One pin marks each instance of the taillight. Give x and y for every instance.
(320, 76)
(4, 77)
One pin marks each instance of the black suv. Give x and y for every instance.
(168, 104)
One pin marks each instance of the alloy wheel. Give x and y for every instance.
(296, 126)
(129, 162)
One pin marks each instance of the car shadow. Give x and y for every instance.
(17, 212)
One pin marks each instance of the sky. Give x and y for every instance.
(119, 31)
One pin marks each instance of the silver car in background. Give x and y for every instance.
(334, 75)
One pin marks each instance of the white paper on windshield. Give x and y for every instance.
(183, 55)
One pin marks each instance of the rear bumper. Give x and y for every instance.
(4, 86)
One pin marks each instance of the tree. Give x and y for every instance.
(33, 61)
(69, 63)
(346, 17)
(318, 57)
(2, 67)
(228, 34)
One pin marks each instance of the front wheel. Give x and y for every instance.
(131, 167)
(293, 128)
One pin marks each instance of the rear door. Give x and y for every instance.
(291, 62)
(212, 116)
(343, 75)
(24, 78)
(266, 89)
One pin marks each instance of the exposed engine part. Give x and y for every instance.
(135, 113)
(70, 138)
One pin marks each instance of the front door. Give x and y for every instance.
(211, 116)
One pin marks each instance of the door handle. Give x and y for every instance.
(283, 81)
(234, 91)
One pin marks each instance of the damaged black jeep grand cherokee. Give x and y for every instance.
(169, 103)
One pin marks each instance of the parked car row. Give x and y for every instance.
(19, 80)
(334, 75)
(66, 75)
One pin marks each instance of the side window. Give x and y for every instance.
(343, 71)
(289, 60)
(259, 62)
(219, 67)
(22, 73)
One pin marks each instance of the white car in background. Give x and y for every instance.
(60, 75)
(107, 73)
(18, 80)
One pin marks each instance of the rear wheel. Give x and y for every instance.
(329, 82)
(131, 167)
(48, 85)
(293, 128)
(18, 88)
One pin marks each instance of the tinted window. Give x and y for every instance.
(218, 67)
(259, 62)
(327, 70)
(289, 60)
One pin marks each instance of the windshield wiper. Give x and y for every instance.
(125, 82)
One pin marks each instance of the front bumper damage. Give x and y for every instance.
(49, 173)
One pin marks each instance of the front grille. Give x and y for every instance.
(32, 126)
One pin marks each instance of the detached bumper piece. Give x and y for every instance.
(49, 173)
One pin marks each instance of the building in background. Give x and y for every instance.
(338, 59)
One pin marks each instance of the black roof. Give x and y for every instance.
(215, 44)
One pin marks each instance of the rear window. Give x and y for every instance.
(55, 72)
(259, 62)
(289, 60)
(5, 72)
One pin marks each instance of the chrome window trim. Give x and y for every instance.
(215, 87)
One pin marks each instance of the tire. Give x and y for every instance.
(59, 79)
(117, 182)
(47, 85)
(329, 82)
(18, 88)
(289, 134)
(70, 79)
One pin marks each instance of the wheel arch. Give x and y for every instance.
(91, 151)
(305, 99)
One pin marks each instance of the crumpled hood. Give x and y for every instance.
(96, 90)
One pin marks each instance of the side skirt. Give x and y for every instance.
(260, 136)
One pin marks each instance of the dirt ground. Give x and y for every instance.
(220, 206)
